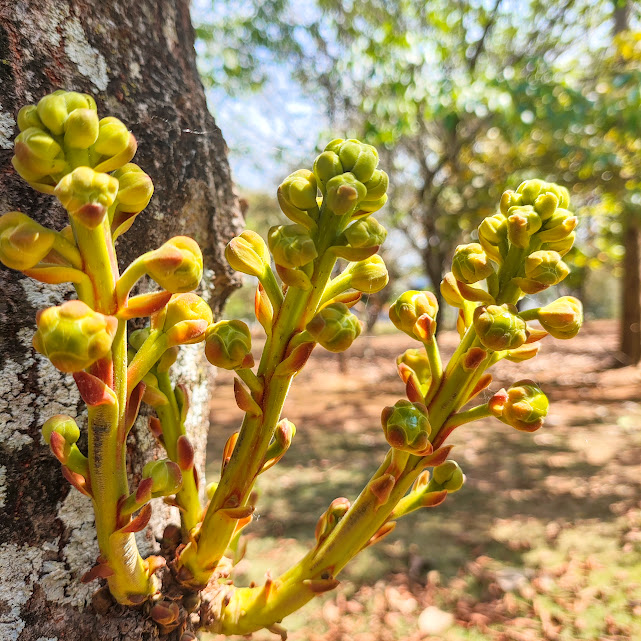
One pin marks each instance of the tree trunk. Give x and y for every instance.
(138, 60)
(630, 341)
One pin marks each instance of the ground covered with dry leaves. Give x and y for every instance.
(542, 543)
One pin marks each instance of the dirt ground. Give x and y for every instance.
(542, 542)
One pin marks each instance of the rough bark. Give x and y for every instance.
(138, 60)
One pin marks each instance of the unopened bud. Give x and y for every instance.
(451, 292)
(493, 236)
(499, 328)
(406, 310)
(37, 154)
(63, 425)
(532, 190)
(370, 275)
(300, 189)
(135, 188)
(138, 337)
(449, 476)
(228, 345)
(377, 185)
(113, 137)
(165, 475)
(87, 194)
(523, 407)
(291, 246)
(367, 232)
(562, 318)
(562, 246)
(558, 227)
(545, 267)
(356, 157)
(23, 242)
(407, 426)
(177, 266)
(329, 519)
(28, 117)
(73, 336)
(335, 328)
(417, 361)
(326, 166)
(522, 223)
(248, 254)
(344, 193)
(470, 263)
(81, 129)
(53, 112)
(185, 319)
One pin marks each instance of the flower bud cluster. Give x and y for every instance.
(523, 406)
(62, 132)
(407, 426)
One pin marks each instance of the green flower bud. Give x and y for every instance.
(291, 246)
(228, 345)
(562, 246)
(377, 185)
(53, 112)
(449, 476)
(356, 157)
(185, 319)
(407, 426)
(300, 189)
(522, 222)
(138, 337)
(344, 193)
(470, 263)
(73, 336)
(135, 188)
(498, 327)
(523, 407)
(28, 117)
(531, 190)
(493, 236)
(113, 137)
(562, 318)
(546, 267)
(248, 254)
(87, 194)
(165, 475)
(23, 242)
(370, 275)
(176, 266)
(335, 328)
(406, 310)
(417, 361)
(64, 425)
(326, 166)
(37, 154)
(367, 232)
(81, 128)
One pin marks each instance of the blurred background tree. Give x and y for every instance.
(466, 99)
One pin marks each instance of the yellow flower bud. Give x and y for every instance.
(531, 190)
(300, 189)
(228, 345)
(73, 336)
(498, 327)
(562, 318)
(135, 188)
(81, 128)
(113, 137)
(470, 263)
(335, 328)
(523, 406)
(450, 291)
(177, 265)
(522, 223)
(64, 425)
(185, 319)
(37, 154)
(344, 194)
(23, 242)
(558, 227)
(417, 361)
(377, 185)
(546, 267)
(291, 246)
(356, 157)
(367, 232)
(370, 275)
(406, 310)
(87, 194)
(326, 166)
(28, 117)
(53, 112)
(248, 254)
